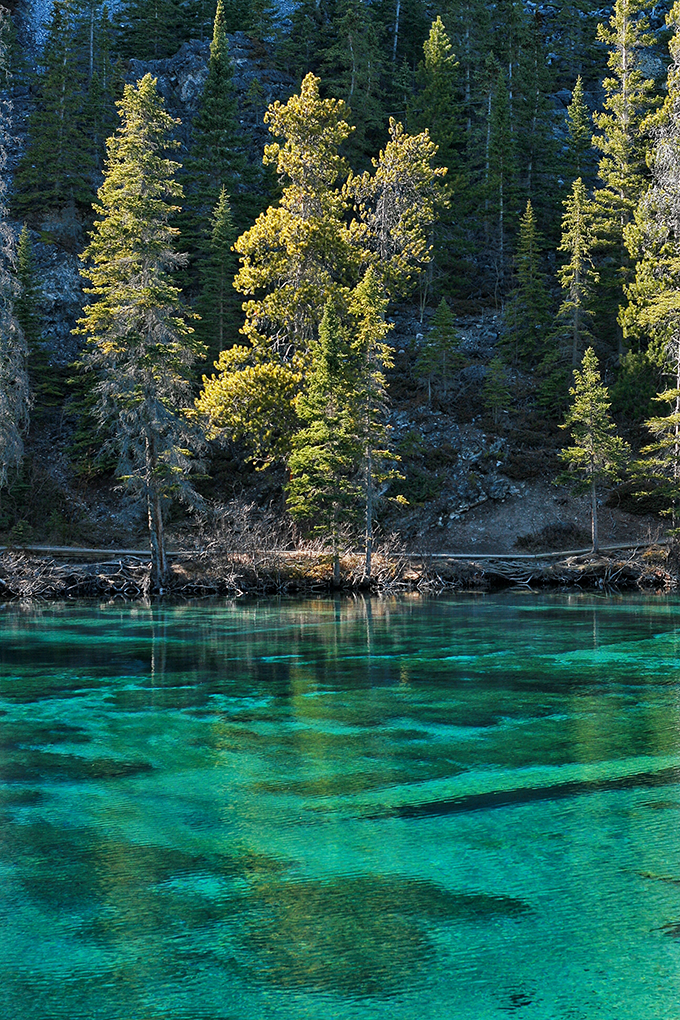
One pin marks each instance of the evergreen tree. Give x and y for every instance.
(440, 355)
(622, 169)
(14, 388)
(296, 256)
(352, 69)
(500, 175)
(26, 306)
(577, 275)
(597, 454)
(54, 172)
(95, 38)
(528, 310)
(495, 393)
(323, 489)
(660, 465)
(396, 208)
(217, 326)
(579, 130)
(367, 308)
(150, 29)
(653, 238)
(139, 343)
(653, 312)
(437, 105)
(216, 159)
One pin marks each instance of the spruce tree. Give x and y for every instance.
(527, 315)
(139, 344)
(26, 306)
(440, 355)
(216, 158)
(296, 256)
(622, 168)
(652, 315)
(351, 68)
(367, 308)
(579, 130)
(597, 455)
(150, 29)
(577, 275)
(437, 104)
(495, 392)
(323, 490)
(500, 175)
(54, 172)
(653, 238)
(14, 386)
(218, 326)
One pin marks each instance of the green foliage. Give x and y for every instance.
(323, 489)
(251, 400)
(597, 454)
(396, 208)
(653, 238)
(55, 170)
(297, 254)
(352, 69)
(579, 130)
(527, 316)
(624, 146)
(150, 29)
(216, 157)
(577, 275)
(495, 393)
(139, 344)
(218, 325)
(440, 355)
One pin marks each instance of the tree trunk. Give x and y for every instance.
(155, 518)
(596, 542)
(369, 513)
(396, 31)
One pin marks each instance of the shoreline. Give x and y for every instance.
(125, 574)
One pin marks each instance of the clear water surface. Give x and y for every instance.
(465, 808)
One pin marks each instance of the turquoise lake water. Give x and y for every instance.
(456, 809)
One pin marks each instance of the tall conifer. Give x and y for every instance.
(139, 344)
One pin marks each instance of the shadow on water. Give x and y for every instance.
(358, 935)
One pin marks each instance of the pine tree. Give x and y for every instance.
(54, 172)
(440, 355)
(297, 254)
(579, 130)
(138, 341)
(597, 455)
(218, 326)
(396, 208)
(528, 311)
(622, 169)
(14, 387)
(323, 489)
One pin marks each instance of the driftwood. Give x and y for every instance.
(309, 572)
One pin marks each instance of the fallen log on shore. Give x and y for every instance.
(299, 572)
